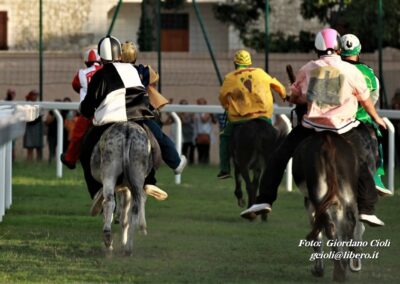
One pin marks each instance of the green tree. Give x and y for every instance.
(243, 14)
(359, 18)
(148, 26)
(173, 4)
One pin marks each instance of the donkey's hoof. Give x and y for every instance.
(241, 202)
(143, 230)
(128, 252)
(355, 264)
(264, 217)
(251, 217)
(109, 251)
(341, 277)
(107, 239)
(317, 272)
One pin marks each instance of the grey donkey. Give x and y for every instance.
(121, 160)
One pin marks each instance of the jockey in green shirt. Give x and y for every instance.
(351, 49)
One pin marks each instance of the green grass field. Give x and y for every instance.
(195, 236)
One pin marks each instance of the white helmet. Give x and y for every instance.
(109, 48)
(91, 55)
(350, 45)
(327, 41)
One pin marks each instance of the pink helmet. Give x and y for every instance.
(327, 41)
(91, 55)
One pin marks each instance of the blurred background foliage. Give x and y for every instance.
(347, 16)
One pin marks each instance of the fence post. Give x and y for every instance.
(289, 178)
(391, 155)
(8, 175)
(178, 140)
(2, 181)
(60, 141)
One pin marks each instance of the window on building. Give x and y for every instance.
(175, 32)
(3, 30)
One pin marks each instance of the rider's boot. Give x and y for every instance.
(156, 192)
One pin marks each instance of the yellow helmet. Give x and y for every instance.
(129, 52)
(242, 57)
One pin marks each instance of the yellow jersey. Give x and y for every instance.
(246, 94)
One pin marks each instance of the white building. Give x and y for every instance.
(73, 24)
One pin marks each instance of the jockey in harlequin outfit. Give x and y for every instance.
(245, 94)
(80, 85)
(351, 49)
(156, 101)
(332, 89)
(117, 93)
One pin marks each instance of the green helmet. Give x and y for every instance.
(350, 45)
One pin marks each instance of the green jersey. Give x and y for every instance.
(373, 86)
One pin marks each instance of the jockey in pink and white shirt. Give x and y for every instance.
(332, 89)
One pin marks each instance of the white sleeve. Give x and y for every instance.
(84, 85)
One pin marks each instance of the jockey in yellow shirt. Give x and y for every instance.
(245, 94)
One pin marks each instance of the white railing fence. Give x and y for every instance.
(12, 126)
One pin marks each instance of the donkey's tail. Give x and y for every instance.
(328, 156)
(129, 171)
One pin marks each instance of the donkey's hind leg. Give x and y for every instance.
(355, 263)
(251, 192)
(108, 209)
(318, 269)
(141, 222)
(238, 187)
(335, 231)
(125, 205)
(137, 205)
(256, 184)
(119, 196)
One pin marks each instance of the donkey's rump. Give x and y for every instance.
(252, 140)
(115, 145)
(323, 156)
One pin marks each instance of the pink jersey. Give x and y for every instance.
(332, 88)
(82, 79)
